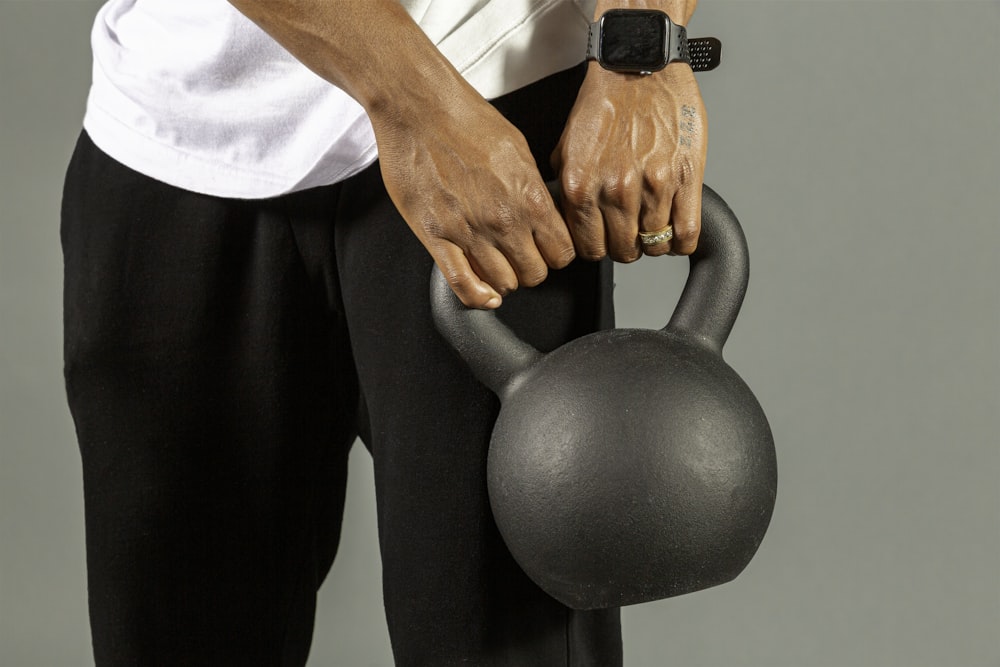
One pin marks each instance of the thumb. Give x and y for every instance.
(467, 286)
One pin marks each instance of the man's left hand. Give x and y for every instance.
(632, 159)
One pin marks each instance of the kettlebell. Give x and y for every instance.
(628, 465)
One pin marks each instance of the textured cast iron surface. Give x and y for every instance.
(628, 465)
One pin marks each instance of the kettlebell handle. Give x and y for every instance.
(705, 313)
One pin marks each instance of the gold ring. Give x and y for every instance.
(653, 238)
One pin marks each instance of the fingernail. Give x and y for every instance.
(493, 303)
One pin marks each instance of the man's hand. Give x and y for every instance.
(459, 173)
(466, 183)
(632, 159)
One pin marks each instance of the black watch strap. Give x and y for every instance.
(704, 53)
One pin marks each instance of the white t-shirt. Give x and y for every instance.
(192, 93)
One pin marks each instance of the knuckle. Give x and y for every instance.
(537, 202)
(592, 254)
(503, 281)
(578, 189)
(505, 287)
(563, 256)
(433, 227)
(444, 220)
(501, 220)
(535, 276)
(684, 244)
(615, 191)
(658, 175)
(618, 185)
(686, 231)
(685, 170)
(462, 287)
(629, 256)
(457, 280)
(625, 248)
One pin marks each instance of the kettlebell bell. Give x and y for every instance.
(628, 465)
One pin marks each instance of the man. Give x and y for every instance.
(240, 278)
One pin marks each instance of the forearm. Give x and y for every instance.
(372, 49)
(679, 11)
(460, 174)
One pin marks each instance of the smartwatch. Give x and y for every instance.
(643, 41)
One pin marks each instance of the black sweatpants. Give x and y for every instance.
(222, 355)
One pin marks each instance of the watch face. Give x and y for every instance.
(633, 40)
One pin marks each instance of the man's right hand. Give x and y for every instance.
(460, 174)
(466, 183)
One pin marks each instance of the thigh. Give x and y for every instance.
(453, 593)
(214, 398)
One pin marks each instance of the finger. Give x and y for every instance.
(585, 222)
(501, 244)
(468, 287)
(685, 215)
(524, 257)
(620, 210)
(493, 268)
(656, 218)
(550, 235)
(555, 244)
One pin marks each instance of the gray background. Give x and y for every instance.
(859, 142)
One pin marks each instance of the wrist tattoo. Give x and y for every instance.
(686, 126)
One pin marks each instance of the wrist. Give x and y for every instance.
(417, 89)
(389, 83)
